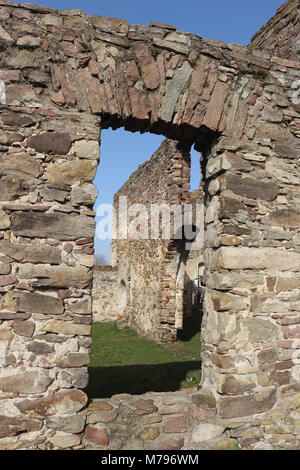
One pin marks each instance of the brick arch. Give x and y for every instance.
(63, 77)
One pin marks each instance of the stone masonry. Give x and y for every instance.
(64, 76)
(105, 294)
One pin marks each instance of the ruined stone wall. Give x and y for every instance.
(164, 179)
(63, 77)
(105, 294)
(281, 35)
(180, 421)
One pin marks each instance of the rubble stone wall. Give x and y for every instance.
(105, 294)
(281, 35)
(63, 77)
(149, 267)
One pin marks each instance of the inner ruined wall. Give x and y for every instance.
(147, 266)
(63, 77)
(105, 294)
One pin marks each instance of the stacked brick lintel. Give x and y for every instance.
(63, 77)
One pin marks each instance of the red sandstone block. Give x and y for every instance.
(215, 106)
(286, 62)
(96, 436)
(175, 424)
(90, 84)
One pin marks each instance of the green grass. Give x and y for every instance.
(123, 362)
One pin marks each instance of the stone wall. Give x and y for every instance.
(105, 294)
(63, 77)
(150, 268)
(281, 35)
(181, 421)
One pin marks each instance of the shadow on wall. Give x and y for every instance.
(138, 379)
(191, 325)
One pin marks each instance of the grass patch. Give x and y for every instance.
(123, 362)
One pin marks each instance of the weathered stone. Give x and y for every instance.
(173, 46)
(246, 405)
(138, 104)
(145, 407)
(231, 280)
(204, 431)
(204, 399)
(170, 409)
(256, 330)
(82, 307)
(100, 406)
(108, 38)
(51, 338)
(102, 416)
(65, 402)
(24, 328)
(67, 328)
(174, 89)
(7, 280)
(32, 303)
(168, 444)
(87, 149)
(11, 188)
(6, 337)
(5, 315)
(71, 171)
(257, 258)
(40, 348)
(285, 284)
(77, 377)
(64, 226)
(5, 36)
(73, 424)
(273, 131)
(15, 119)
(64, 440)
(148, 66)
(85, 194)
(49, 194)
(38, 77)
(11, 426)
(22, 95)
(57, 143)
(215, 107)
(96, 436)
(36, 381)
(232, 208)
(252, 188)
(52, 276)
(235, 384)
(32, 59)
(224, 301)
(110, 25)
(4, 221)
(22, 163)
(285, 218)
(267, 355)
(31, 253)
(148, 434)
(176, 424)
(76, 359)
(28, 41)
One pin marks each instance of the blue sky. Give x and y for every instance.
(232, 21)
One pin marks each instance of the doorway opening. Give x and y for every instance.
(136, 293)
